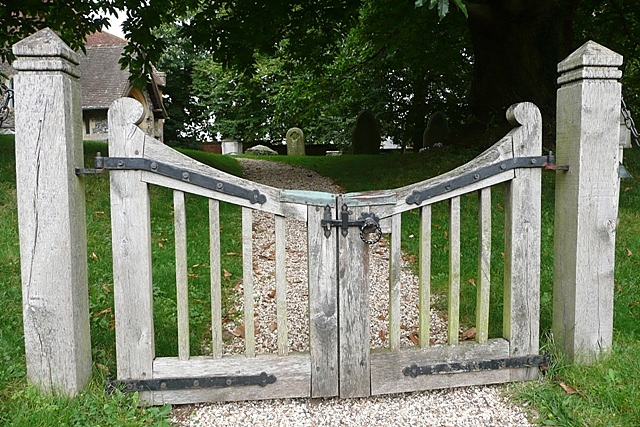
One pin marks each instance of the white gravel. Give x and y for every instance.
(469, 406)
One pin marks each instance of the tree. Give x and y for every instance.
(72, 19)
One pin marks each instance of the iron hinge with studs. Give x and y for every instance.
(196, 178)
(167, 384)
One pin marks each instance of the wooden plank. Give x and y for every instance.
(281, 287)
(156, 150)
(247, 282)
(424, 277)
(304, 197)
(323, 305)
(182, 284)
(292, 378)
(501, 150)
(395, 270)
(453, 324)
(484, 266)
(522, 238)
(131, 245)
(387, 367)
(215, 270)
(353, 302)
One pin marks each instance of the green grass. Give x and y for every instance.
(21, 404)
(607, 392)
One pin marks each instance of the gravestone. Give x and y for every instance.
(295, 142)
(366, 135)
(437, 131)
(261, 150)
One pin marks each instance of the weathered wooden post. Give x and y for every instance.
(586, 211)
(51, 214)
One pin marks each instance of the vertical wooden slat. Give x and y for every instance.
(281, 287)
(353, 302)
(216, 285)
(182, 285)
(522, 239)
(247, 281)
(484, 265)
(395, 268)
(323, 305)
(424, 287)
(454, 270)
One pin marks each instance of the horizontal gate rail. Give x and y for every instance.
(477, 365)
(196, 178)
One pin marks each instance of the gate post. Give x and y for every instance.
(51, 214)
(586, 207)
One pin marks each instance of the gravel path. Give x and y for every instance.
(469, 406)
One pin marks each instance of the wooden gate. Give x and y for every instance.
(52, 228)
(340, 361)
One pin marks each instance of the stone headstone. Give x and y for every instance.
(437, 131)
(295, 142)
(261, 150)
(366, 135)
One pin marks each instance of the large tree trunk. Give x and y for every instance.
(517, 45)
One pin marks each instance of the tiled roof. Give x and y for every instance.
(102, 78)
(104, 39)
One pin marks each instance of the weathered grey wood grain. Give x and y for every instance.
(522, 237)
(353, 303)
(281, 286)
(292, 378)
(51, 214)
(182, 280)
(395, 269)
(156, 150)
(424, 278)
(247, 282)
(453, 323)
(586, 201)
(216, 281)
(131, 241)
(387, 367)
(323, 305)
(483, 286)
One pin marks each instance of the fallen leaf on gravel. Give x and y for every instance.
(272, 293)
(469, 334)
(268, 245)
(413, 337)
(383, 335)
(239, 331)
(568, 388)
(382, 317)
(273, 326)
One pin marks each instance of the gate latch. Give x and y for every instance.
(368, 223)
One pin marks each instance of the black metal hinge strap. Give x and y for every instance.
(195, 178)
(546, 162)
(166, 384)
(477, 365)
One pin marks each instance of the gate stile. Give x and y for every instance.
(340, 361)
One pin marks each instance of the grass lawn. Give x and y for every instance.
(607, 393)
